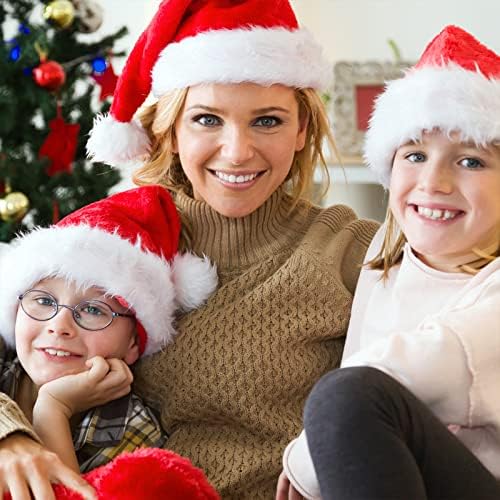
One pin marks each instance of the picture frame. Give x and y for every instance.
(356, 86)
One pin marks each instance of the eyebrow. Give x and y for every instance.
(260, 111)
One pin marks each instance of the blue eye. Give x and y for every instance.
(268, 121)
(92, 309)
(471, 163)
(207, 120)
(45, 300)
(416, 157)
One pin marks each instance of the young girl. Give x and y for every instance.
(415, 410)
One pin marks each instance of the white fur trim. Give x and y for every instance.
(194, 280)
(116, 143)
(449, 98)
(90, 257)
(260, 55)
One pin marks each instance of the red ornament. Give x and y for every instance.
(107, 80)
(60, 145)
(49, 75)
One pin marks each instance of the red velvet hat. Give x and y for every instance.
(125, 244)
(192, 42)
(455, 86)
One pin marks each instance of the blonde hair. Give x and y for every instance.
(394, 241)
(163, 165)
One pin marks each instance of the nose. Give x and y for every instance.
(237, 145)
(436, 177)
(62, 323)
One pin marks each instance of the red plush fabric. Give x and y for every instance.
(147, 473)
(455, 45)
(179, 19)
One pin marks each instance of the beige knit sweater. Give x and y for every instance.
(231, 388)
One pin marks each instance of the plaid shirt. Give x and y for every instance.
(104, 432)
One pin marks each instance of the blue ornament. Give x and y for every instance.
(99, 64)
(15, 53)
(24, 29)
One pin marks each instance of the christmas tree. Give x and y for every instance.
(48, 98)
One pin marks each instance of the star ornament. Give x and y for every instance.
(107, 80)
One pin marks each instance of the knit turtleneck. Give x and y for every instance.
(231, 387)
(237, 243)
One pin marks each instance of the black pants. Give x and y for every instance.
(372, 439)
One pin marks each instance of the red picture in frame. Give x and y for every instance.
(365, 99)
(356, 86)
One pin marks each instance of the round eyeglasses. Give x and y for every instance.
(89, 314)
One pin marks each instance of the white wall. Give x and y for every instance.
(358, 29)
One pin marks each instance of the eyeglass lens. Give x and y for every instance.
(91, 315)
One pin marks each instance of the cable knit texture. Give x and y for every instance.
(231, 389)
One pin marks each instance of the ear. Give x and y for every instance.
(300, 142)
(132, 354)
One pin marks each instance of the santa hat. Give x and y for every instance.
(125, 244)
(454, 87)
(192, 42)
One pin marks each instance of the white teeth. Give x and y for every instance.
(233, 179)
(56, 352)
(436, 214)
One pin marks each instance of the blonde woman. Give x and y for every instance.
(235, 135)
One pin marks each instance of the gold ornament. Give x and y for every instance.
(14, 206)
(60, 13)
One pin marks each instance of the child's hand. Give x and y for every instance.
(106, 380)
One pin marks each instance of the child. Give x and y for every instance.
(424, 339)
(80, 301)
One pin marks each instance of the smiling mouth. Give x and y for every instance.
(436, 213)
(57, 352)
(236, 179)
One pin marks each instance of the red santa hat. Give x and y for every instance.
(192, 42)
(454, 87)
(125, 244)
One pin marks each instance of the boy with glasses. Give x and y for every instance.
(80, 302)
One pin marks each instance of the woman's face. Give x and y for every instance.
(236, 143)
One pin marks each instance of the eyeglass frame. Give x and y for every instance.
(114, 314)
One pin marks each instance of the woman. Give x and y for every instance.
(235, 135)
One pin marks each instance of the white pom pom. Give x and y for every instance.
(115, 143)
(195, 279)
